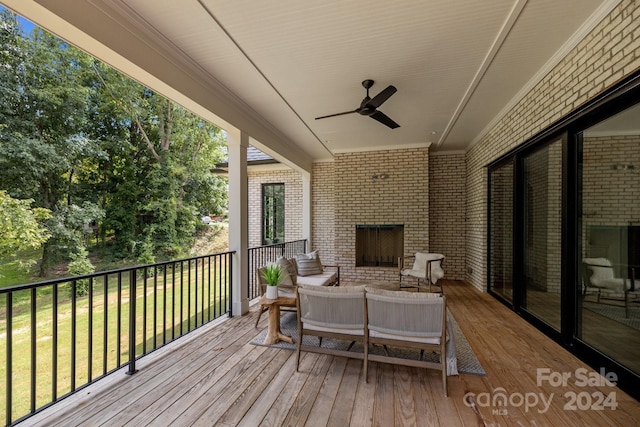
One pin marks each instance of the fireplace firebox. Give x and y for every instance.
(379, 245)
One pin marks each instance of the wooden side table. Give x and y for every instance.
(274, 334)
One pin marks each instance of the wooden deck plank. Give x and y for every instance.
(343, 406)
(362, 414)
(319, 415)
(217, 402)
(214, 376)
(248, 396)
(287, 378)
(189, 383)
(405, 413)
(383, 408)
(301, 407)
(285, 401)
(423, 396)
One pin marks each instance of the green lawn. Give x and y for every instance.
(11, 271)
(116, 346)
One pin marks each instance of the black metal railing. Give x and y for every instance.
(264, 255)
(61, 335)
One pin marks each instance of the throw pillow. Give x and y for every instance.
(288, 270)
(309, 264)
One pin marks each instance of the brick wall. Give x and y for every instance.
(610, 52)
(323, 208)
(447, 210)
(293, 207)
(402, 198)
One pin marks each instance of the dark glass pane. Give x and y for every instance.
(609, 308)
(501, 231)
(542, 228)
(273, 207)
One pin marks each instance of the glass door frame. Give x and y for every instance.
(619, 97)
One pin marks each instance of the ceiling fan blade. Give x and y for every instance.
(384, 119)
(377, 100)
(337, 114)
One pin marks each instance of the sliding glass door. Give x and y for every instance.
(541, 226)
(564, 232)
(609, 197)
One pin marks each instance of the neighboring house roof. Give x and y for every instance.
(254, 157)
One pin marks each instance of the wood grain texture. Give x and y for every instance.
(214, 376)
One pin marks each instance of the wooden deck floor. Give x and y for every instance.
(215, 377)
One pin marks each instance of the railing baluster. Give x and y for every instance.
(181, 298)
(209, 286)
(155, 307)
(119, 321)
(203, 293)
(164, 304)
(54, 344)
(218, 287)
(230, 286)
(33, 349)
(189, 295)
(74, 322)
(144, 310)
(195, 304)
(90, 330)
(132, 322)
(105, 325)
(173, 298)
(9, 366)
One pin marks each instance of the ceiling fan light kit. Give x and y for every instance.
(369, 106)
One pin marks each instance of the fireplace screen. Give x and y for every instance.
(379, 245)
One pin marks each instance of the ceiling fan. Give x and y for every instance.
(369, 106)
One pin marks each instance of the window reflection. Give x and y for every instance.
(501, 233)
(609, 303)
(542, 172)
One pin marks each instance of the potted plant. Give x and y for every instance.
(273, 275)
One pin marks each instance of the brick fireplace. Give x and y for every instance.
(374, 187)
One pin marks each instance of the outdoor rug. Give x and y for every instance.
(467, 362)
(616, 313)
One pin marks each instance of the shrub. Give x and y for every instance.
(79, 266)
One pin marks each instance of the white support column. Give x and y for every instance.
(306, 208)
(238, 142)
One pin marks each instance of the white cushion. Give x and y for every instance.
(423, 340)
(323, 279)
(356, 332)
(283, 292)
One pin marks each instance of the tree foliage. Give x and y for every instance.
(20, 225)
(116, 164)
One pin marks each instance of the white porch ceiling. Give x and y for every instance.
(457, 64)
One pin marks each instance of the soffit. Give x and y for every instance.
(456, 63)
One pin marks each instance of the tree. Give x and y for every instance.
(110, 158)
(20, 225)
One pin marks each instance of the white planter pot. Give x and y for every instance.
(272, 292)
